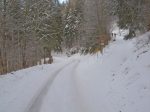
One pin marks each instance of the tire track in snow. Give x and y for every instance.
(66, 101)
(36, 102)
(79, 100)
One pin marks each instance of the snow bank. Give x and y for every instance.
(119, 80)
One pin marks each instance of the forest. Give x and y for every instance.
(30, 30)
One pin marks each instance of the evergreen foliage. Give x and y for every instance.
(31, 29)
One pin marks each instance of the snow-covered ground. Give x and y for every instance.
(117, 81)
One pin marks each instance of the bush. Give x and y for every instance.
(130, 35)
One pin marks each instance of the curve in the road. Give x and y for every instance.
(36, 102)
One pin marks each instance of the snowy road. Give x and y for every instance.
(36, 103)
(117, 81)
(62, 92)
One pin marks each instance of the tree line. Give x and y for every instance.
(89, 22)
(31, 29)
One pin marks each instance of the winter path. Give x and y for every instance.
(117, 81)
(37, 101)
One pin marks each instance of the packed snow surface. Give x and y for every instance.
(116, 81)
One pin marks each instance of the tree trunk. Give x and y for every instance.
(1, 63)
(4, 40)
(44, 55)
(50, 57)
